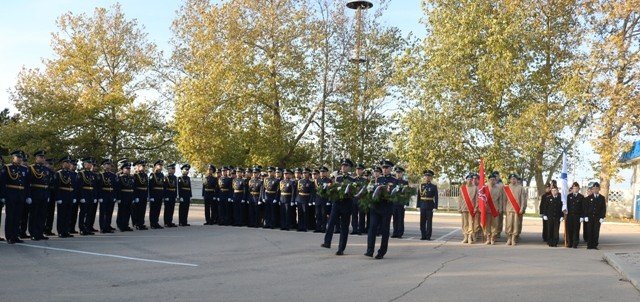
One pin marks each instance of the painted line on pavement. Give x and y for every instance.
(447, 234)
(106, 255)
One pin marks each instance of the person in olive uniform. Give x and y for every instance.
(184, 196)
(574, 216)
(13, 181)
(381, 211)
(428, 204)
(108, 185)
(594, 210)
(171, 193)
(141, 193)
(125, 196)
(552, 214)
(39, 180)
(63, 196)
(468, 208)
(156, 194)
(87, 186)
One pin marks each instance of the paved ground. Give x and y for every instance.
(213, 263)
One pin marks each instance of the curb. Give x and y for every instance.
(618, 263)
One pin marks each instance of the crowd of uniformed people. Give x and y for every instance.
(256, 197)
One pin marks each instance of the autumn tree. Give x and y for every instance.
(88, 99)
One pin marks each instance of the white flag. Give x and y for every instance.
(565, 182)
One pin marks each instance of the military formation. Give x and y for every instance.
(270, 198)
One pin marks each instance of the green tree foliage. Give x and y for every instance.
(87, 100)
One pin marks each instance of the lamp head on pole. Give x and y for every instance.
(359, 4)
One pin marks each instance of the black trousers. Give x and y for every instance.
(321, 214)
(340, 214)
(155, 207)
(37, 216)
(24, 219)
(106, 214)
(209, 212)
(124, 213)
(73, 219)
(183, 210)
(593, 232)
(138, 210)
(83, 217)
(426, 221)
(49, 216)
(355, 214)
(64, 213)
(285, 217)
(14, 207)
(169, 209)
(573, 230)
(545, 230)
(303, 218)
(91, 214)
(398, 220)
(380, 220)
(553, 231)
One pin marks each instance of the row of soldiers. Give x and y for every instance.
(290, 199)
(483, 211)
(32, 193)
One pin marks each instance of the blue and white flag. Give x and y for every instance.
(565, 182)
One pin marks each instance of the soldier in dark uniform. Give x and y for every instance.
(261, 202)
(255, 189)
(75, 204)
(51, 205)
(140, 195)
(225, 184)
(39, 180)
(428, 203)
(276, 201)
(311, 209)
(574, 216)
(14, 183)
(381, 211)
(306, 188)
(171, 193)
(543, 205)
(93, 207)
(398, 209)
(184, 196)
(209, 188)
(357, 213)
(156, 194)
(108, 185)
(341, 209)
(293, 210)
(594, 211)
(270, 188)
(321, 203)
(248, 174)
(287, 191)
(87, 185)
(63, 196)
(239, 194)
(552, 214)
(125, 196)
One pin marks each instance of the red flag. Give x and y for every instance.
(482, 197)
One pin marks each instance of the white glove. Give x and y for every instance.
(180, 199)
(586, 219)
(545, 218)
(313, 203)
(74, 200)
(48, 200)
(581, 219)
(406, 207)
(561, 219)
(118, 201)
(59, 201)
(259, 202)
(434, 210)
(275, 201)
(82, 200)
(2, 200)
(151, 199)
(325, 185)
(328, 203)
(229, 200)
(136, 200)
(601, 220)
(293, 204)
(95, 201)
(100, 200)
(29, 201)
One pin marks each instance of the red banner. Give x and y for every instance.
(512, 199)
(467, 200)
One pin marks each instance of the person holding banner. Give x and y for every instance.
(515, 208)
(496, 197)
(468, 207)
